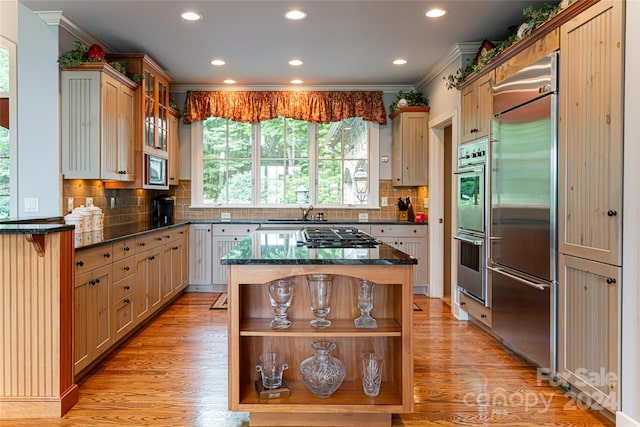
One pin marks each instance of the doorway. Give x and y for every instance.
(447, 190)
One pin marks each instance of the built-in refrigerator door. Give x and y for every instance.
(523, 188)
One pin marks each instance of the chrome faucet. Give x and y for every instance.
(305, 212)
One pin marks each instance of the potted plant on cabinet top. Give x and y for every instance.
(412, 100)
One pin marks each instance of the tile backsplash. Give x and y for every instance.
(134, 205)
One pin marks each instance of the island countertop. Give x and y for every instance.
(280, 247)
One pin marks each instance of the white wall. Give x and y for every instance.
(38, 174)
(630, 370)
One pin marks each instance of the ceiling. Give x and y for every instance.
(349, 43)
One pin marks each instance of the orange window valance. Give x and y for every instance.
(311, 106)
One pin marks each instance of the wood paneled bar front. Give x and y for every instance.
(36, 317)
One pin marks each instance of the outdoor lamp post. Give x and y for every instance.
(302, 194)
(361, 180)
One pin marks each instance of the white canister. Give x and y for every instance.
(78, 239)
(86, 217)
(76, 220)
(88, 237)
(96, 218)
(96, 236)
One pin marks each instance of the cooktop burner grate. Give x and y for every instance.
(335, 238)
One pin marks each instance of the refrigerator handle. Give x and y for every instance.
(476, 242)
(519, 279)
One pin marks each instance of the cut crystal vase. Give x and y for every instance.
(365, 305)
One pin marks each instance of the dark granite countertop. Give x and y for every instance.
(279, 247)
(278, 222)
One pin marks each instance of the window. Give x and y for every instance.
(284, 162)
(7, 115)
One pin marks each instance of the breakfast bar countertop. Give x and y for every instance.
(280, 247)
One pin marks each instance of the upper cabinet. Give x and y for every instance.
(477, 108)
(152, 101)
(410, 146)
(173, 147)
(98, 122)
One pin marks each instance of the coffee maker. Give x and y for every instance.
(162, 211)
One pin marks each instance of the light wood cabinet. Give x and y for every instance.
(174, 262)
(200, 260)
(224, 238)
(475, 309)
(98, 117)
(410, 239)
(590, 201)
(148, 286)
(588, 328)
(476, 108)
(123, 292)
(250, 336)
(174, 147)
(410, 146)
(92, 316)
(591, 105)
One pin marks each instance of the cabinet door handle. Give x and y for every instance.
(92, 282)
(462, 303)
(181, 232)
(484, 316)
(151, 258)
(126, 301)
(127, 287)
(175, 248)
(80, 263)
(611, 280)
(612, 213)
(96, 281)
(107, 255)
(126, 268)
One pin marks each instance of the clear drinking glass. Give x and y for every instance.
(371, 373)
(271, 367)
(320, 294)
(365, 305)
(280, 295)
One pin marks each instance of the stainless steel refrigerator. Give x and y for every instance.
(523, 237)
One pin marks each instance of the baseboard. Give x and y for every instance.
(623, 420)
(206, 288)
(420, 290)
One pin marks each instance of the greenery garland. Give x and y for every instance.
(78, 55)
(534, 18)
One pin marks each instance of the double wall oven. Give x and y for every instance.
(472, 207)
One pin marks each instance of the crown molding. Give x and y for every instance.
(457, 52)
(182, 88)
(56, 18)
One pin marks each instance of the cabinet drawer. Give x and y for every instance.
(122, 288)
(88, 259)
(233, 229)
(148, 241)
(399, 230)
(123, 249)
(123, 268)
(123, 316)
(179, 233)
(475, 309)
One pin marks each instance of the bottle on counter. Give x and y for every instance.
(411, 216)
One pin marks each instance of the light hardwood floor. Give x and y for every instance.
(174, 373)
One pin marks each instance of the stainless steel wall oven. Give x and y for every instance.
(472, 207)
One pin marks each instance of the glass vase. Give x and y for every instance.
(322, 373)
(365, 305)
(320, 295)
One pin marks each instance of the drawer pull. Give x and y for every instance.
(181, 232)
(158, 238)
(126, 301)
(611, 280)
(167, 236)
(463, 303)
(80, 263)
(484, 316)
(92, 282)
(127, 287)
(151, 258)
(142, 244)
(126, 248)
(175, 248)
(97, 281)
(126, 268)
(107, 255)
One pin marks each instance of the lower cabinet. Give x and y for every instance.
(410, 239)
(588, 293)
(200, 254)
(224, 238)
(475, 309)
(92, 321)
(118, 286)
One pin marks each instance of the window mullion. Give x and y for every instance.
(312, 138)
(255, 170)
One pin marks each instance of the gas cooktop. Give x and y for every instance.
(335, 238)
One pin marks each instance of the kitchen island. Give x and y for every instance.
(267, 255)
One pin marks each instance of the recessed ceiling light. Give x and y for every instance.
(297, 82)
(191, 16)
(399, 61)
(295, 15)
(230, 81)
(295, 62)
(436, 13)
(218, 62)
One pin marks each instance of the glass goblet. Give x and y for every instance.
(280, 295)
(320, 294)
(365, 305)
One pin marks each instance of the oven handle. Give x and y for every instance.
(519, 279)
(477, 169)
(476, 242)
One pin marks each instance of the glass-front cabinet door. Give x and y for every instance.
(149, 85)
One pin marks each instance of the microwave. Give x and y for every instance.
(155, 173)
